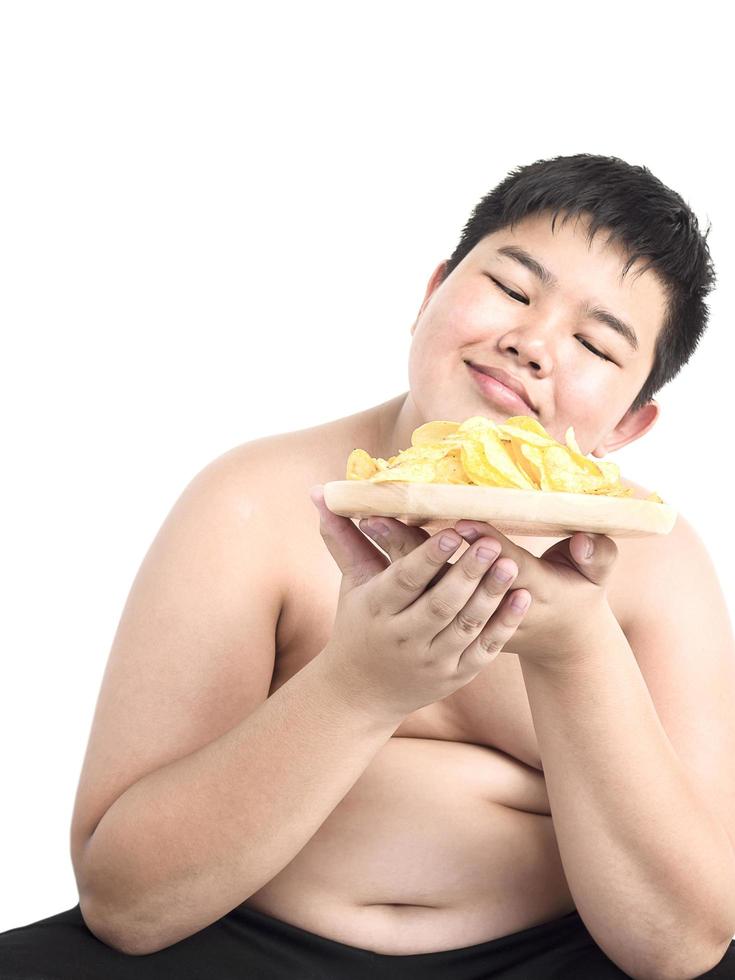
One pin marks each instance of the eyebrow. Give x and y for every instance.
(548, 279)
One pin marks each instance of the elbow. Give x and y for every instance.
(110, 921)
(707, 959)
(690, 962)
(110, 930)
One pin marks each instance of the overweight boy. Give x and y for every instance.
(325, 750)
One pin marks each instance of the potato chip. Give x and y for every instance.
(527, 435)
(570, 472)
(478, 467)
(524, 462)
(533, 458)
(415, 471)
(360, 465)
(519, 454)
(419, 453)
(474, 425)
(614, 492)
(529, 424)
(505, 464)
(432, 432)
(450, 468)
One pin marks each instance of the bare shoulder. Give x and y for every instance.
(286, 465)
(644, 563)
(279, 471)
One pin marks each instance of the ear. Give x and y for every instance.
(632, 426)
(437, 278)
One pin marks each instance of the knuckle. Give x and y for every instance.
(500, 577)
(431, 657)
(467, 624)
(509, 620)
(490, 642)
(492, 589)
(405, 578)
(470, 570)
(434, 556)
(439, 607)
(408, 544)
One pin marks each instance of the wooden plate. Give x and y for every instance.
(522, 512)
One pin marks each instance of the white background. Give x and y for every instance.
(217, 221)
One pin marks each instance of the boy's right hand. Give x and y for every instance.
(400, 642)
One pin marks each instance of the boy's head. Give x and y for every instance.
(620, 247)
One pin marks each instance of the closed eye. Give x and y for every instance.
(522, 299)
(590, 347)
(509, 292)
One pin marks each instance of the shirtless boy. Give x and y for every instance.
(319, 752)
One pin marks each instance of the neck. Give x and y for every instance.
(397, 420)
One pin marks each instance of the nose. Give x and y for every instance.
(531, 363)
(530, 350)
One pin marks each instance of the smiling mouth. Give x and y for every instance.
(498, 393)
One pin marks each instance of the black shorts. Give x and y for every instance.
(249, 945)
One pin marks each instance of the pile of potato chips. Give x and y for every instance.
(519, 454)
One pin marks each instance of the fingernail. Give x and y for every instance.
(448, 542)
(377, 527)
(519, 602)
(470, 534)
(590, 546)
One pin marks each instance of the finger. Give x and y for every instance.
(357, 559)
(596, 566)
(528, 564)
(594, 555)
(439, 606)
(488, 588)
(407, 578)
(472, 530)
(396, 539)
(497, 632)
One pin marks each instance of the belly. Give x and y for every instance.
(438, 845)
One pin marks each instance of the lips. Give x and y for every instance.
(505, 379)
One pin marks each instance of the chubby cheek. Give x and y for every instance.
(443, 335)
(578, 403)
(428, 367)
(434, 357)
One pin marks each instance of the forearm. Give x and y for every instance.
(192, 840)
(649, 866)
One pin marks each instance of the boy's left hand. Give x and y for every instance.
(568, 590)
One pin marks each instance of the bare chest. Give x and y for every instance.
(492, 710)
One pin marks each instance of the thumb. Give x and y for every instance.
(594, 555)
(357, 558)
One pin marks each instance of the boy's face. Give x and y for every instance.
(539, 335)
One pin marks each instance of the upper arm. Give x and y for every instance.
(681, 635)
(194, 650)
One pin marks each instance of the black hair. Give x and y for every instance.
(640, 213)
